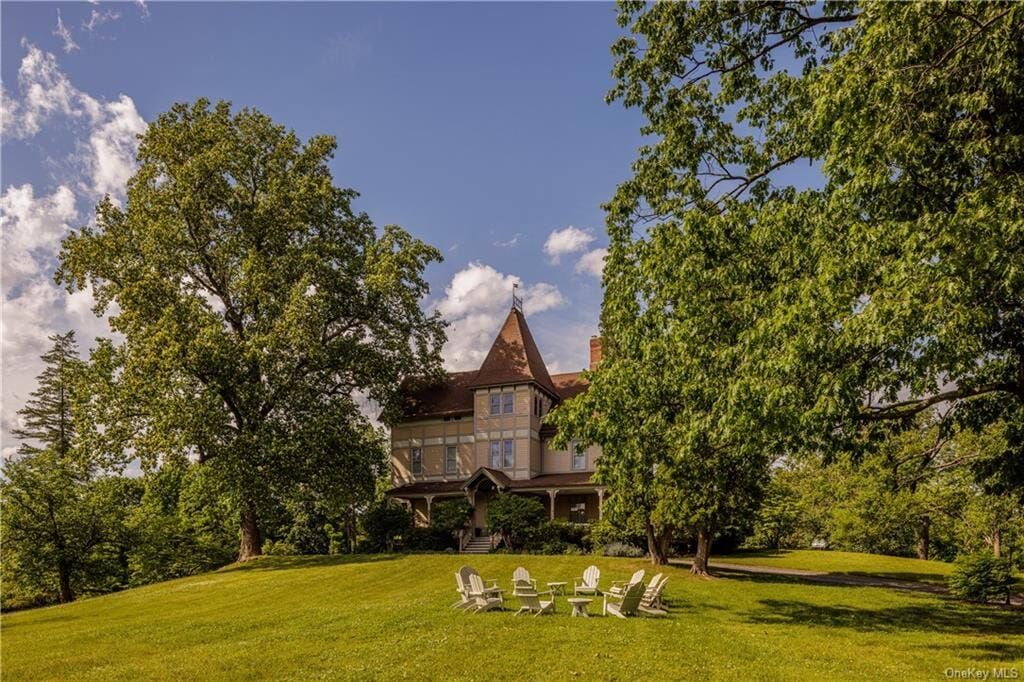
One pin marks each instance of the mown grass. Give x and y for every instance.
(846, 563)
(388, 617)
(852, 563)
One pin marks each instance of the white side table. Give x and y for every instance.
(579, 606)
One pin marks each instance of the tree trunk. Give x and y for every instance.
(350, 529)
(251, 546)
(64, 575)
(700, 558)
(997, 543)
(923, 537)
(657, 546)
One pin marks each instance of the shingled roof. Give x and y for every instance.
(514, 358)
(448, 399)
(569, 384)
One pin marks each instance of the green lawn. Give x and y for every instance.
(847, 563)
(388, 617)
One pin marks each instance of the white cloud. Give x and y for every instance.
(30, 228)
(112, 127)
(592, 263)
(113, 143)
(475, 304)
(143, 7)
(64, 33)
(510, 243)
(97, 18)
(32, 224)
(46, 92)
(566, 241)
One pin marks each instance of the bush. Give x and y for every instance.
(981, 577)
(623, 550)
(447, 518)
(554, 547)
(605, 532)
(515, 518)
(279, 548)
(384, 524)
(428, 539)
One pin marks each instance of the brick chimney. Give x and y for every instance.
(595, 351)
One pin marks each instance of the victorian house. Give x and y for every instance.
(481, 433)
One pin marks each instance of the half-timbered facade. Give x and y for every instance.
(481, 433)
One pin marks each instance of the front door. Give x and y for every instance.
(480, 512)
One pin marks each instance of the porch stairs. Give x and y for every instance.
(478, 545)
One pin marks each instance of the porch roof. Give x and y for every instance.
(576, 479)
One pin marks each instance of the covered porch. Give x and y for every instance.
(570, 497)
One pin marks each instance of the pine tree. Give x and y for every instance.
(46, 417)
(61, 519)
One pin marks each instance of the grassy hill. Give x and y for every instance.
(388, 617)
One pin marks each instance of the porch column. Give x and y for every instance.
(552, 494)
(430, 499)
(600, 503)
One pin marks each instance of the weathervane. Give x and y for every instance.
(517, 303)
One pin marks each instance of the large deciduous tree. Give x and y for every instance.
(826, 229)
(899, 277)
(255, 304)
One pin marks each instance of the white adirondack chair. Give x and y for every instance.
(479, 596)
(530, 601)
(627, 604)
(462, 587)
(491, 588)
(587, 583)
(651, 601)
(521, 574)
(619, 587)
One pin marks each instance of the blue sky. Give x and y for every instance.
(480, 128)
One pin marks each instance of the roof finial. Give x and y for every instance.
(517, 303)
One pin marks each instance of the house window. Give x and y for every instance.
(417, 461)
(502, 454)
(451, 461)
(495, 403)
(506, 403)
(578, 512)
(579, 457)
(507, 450)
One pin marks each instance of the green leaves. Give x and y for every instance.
(255, 303)
(750, 312)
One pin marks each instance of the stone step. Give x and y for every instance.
(478, 545)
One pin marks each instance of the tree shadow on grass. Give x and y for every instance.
(832, 580)
(997, 650)
(288, 563)
(950, 618)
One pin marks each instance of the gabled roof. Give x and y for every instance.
(500, 480)
(514, 358)
(450, 398)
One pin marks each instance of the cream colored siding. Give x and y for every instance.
(432, 436)
(560, 462)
